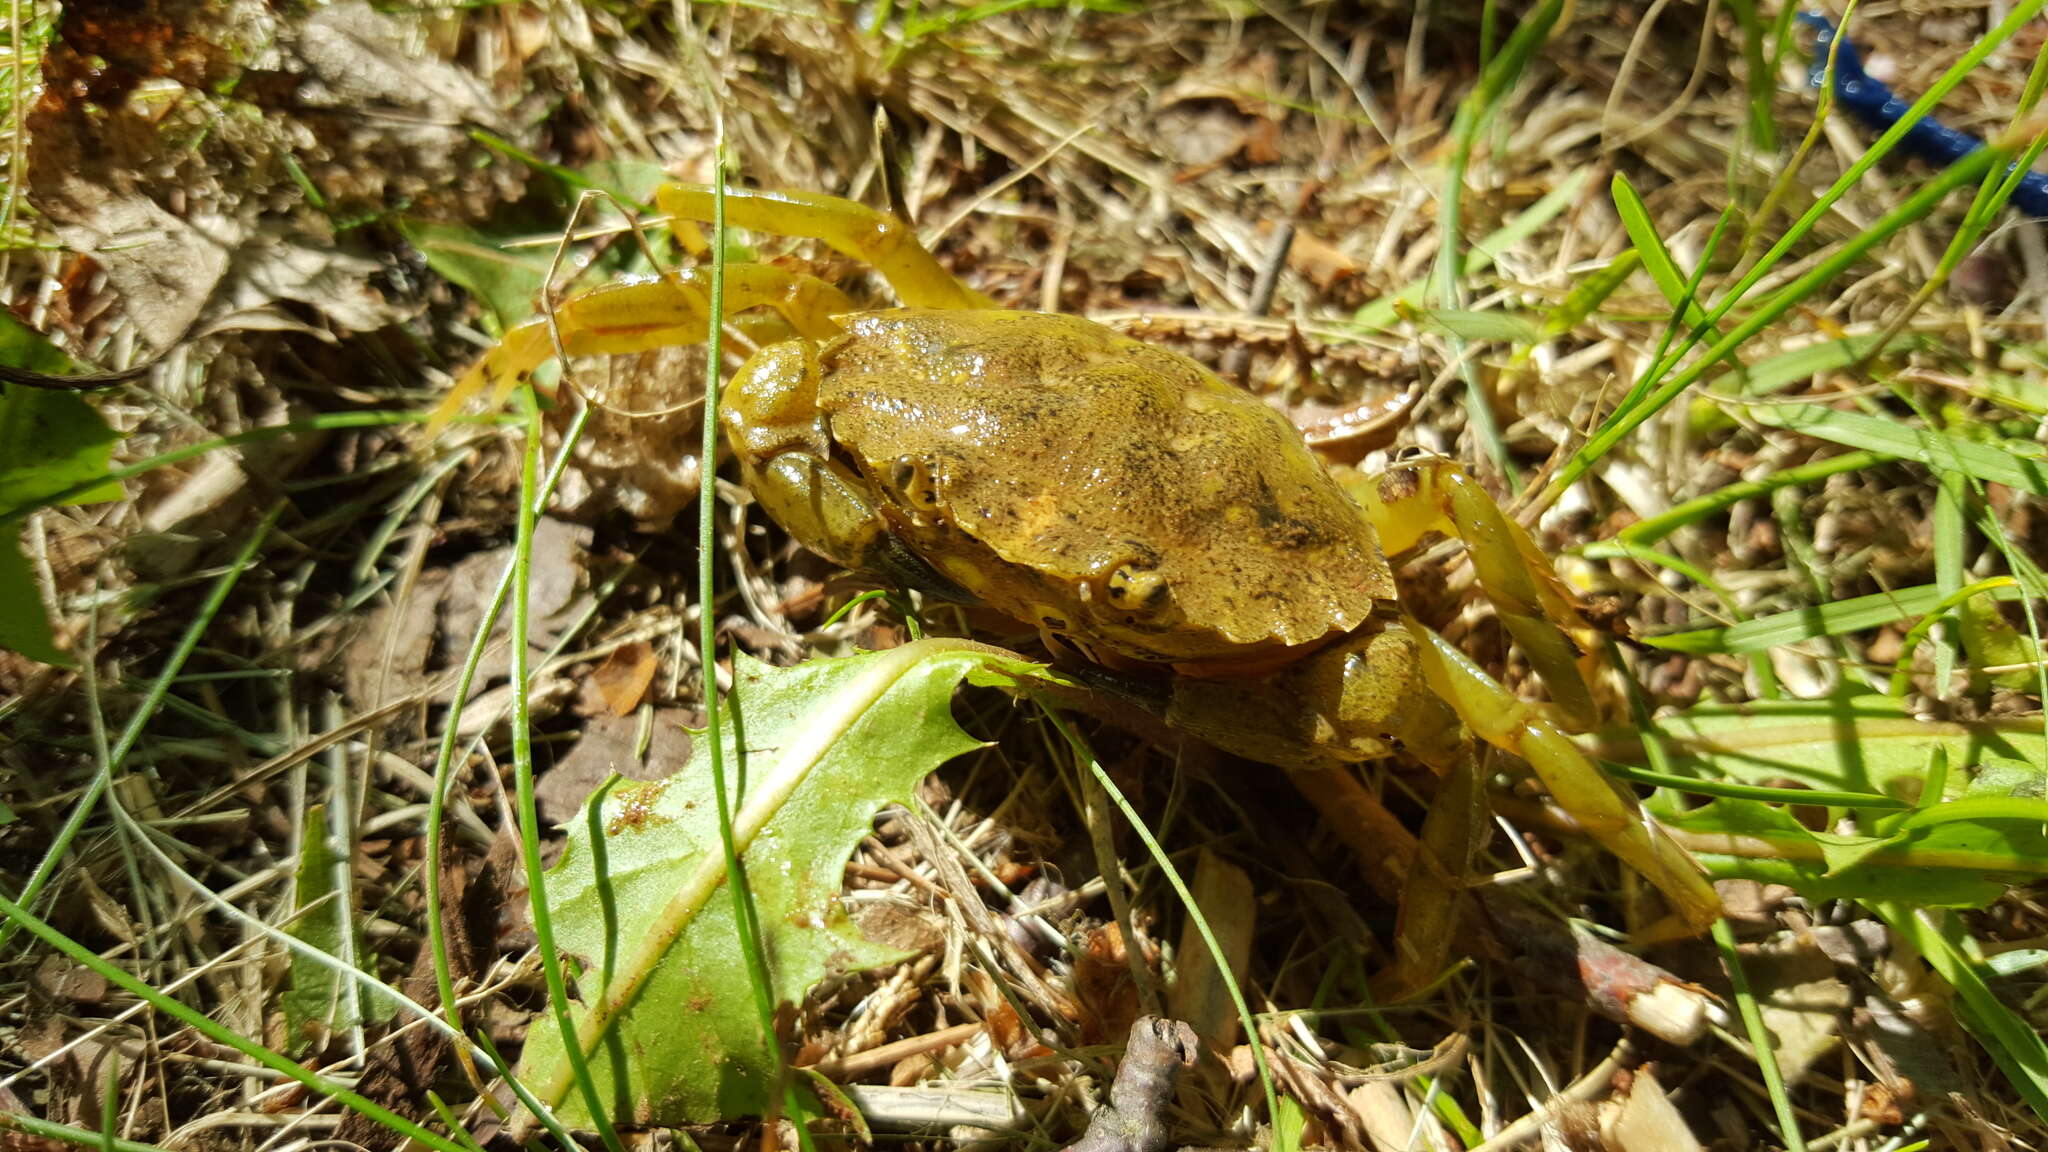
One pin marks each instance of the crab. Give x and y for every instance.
(1136, 510)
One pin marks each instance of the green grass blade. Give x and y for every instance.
(1187, 899)
(1589, 294)
(1387, 310)
(82, 809)
(1950, 540)
(1798, 624)
(1679, 782)
(1678, 289)
(1905, 441)
(325, 422)
(1762, 1044)
(63, 1134)
(437, 802)
(1802, 364)
(17, 916)
(1655, 528)
(1474, 112)
(559, 1004)
(2019, 1050)
(745, 918)
(1762, 78)
(1971, 167)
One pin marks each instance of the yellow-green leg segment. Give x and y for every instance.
(1608, 812)
(854, 229)
(1408, 502)
(1413, 500)
(658, 312)
(642, 315)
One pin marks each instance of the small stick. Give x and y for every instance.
(1134, 1121)
(1238, 360)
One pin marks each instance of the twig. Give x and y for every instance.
(1133, 1122)
(1238, 359)
(1591, 1086)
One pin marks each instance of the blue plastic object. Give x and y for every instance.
(1870, 101)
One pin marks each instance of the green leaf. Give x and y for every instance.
(1962, 847)
(49, 440)
(314, 1005)
(1591, 291)
(1656, 258)
(1993, 643)
(1289, 1125)
(631, 180)
(1863, 743)
(1971, 865)
(23, 627)
(23, 347)
(506, 279)
(1906, 441)
(821, 748)
(1831, 619)
(1501, 327)
(1844, 851)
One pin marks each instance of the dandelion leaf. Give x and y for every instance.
(813, 753)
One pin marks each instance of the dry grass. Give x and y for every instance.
(1147, 167)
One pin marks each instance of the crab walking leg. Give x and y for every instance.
(864, 233)
(1607, 813)
(1410, 501)
(641, 315)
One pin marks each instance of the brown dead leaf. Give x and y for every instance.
(61, 979)
(1647, 1121)
(1013, 1036)
(1886, 1106)
(1912, 1063)
(621, 682)
(907, 927)
(350, 55)
(610, 745)
(1320, 262)
(1803, 1000)
(1102, 982)
(1201, 134)
(208, 271)
(557, 569)
(188, 150)
(1262, 142)
(1386, 1119)
(388, 657)
(163, 267)
(1199, 995)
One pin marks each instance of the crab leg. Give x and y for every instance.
(1607, 812)
(1410, 501)
(864, 233)
(642, 315)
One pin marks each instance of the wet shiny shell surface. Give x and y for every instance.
(1097, 487)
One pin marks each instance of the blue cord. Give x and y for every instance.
(1879, 107)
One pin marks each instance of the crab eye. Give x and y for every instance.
(913, 477)
(1137, 589)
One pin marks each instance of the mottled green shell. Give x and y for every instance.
(1095, 486)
